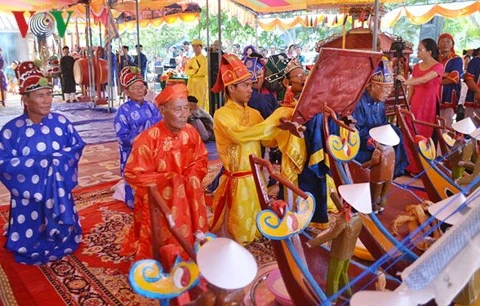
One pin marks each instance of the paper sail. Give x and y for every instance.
(476, 134)
(380, 298)
(226, 264)
(338, 78)
(446, 209)
(464, 126)
(358, 196)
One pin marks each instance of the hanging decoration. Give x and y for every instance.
(42, 24)
(421, 14)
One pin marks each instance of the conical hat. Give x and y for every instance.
(476, 134)
(464, 126)
(451, 204)
(385, 135)
(358, 196)
(226, 264)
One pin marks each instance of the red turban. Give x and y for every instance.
(446, 35)
(171, 93)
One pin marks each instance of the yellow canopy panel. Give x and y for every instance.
(421, 14)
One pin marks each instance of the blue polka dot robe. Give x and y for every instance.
(39, 166)
(131, 119)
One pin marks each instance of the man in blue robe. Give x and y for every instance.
(370, 113)
(132, 118)
(39, 154)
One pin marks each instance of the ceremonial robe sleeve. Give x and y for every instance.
(454, 69)
(192, 67)
(143, 169)
(263, 131)
(202, 71)
(125, 130)
(61, 164)
(66, 160)
(198, 166)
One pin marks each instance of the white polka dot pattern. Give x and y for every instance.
(31, 162)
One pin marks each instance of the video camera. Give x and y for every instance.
(397, 47)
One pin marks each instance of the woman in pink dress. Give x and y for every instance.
(424, 93)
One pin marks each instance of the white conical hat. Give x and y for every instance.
(385, 135)
(358, 196)
(475, 134)
(226, 264)
(451, 204)
(464, 126)
(377, 298)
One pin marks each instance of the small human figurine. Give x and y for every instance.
(461, 152)
(344, 233)
(382, 164)
(468, 151)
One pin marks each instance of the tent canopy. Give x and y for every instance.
(278, 6)
(421, 14)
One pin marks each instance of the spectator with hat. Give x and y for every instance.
(170, 157)
(141, 61)
(39, 154)
(132, 118)
(197, 71)
(370, 113)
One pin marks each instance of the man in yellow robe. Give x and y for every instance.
(170, 155)
(197, 71)
(235, 203)
(293, 148)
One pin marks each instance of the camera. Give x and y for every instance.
(397, 47)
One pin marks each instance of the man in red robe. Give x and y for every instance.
(170, 155)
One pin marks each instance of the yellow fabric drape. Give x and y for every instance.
(185, 17)
(334, 20)
(423, 13)
(309, 21)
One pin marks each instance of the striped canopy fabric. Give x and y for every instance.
(277, 6)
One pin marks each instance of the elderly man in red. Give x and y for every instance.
(170, 155)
